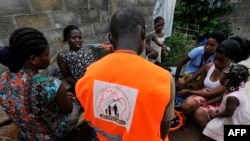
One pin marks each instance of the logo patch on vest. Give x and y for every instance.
(114, 103)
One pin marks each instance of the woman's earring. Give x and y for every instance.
(232, 88)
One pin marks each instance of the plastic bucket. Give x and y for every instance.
(180, 118)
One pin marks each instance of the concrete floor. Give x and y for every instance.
(188, 132)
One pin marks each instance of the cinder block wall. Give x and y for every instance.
(239, 18)
(92, 16)
(51, 16)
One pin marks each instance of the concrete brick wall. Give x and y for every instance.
(239, 18)
(51, 16)
(92, 16)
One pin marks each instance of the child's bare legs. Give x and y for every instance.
(201, 117)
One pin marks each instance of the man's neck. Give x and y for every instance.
(127, 44)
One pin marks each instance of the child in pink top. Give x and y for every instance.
(234, 105)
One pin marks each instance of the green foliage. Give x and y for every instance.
(179, 44)
(194, 14)
(199, 13)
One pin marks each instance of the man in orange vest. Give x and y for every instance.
(126, 97)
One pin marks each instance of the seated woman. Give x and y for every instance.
(38, 105)
(234, 104)
(198, 57)
(210, 87)
(73, 62)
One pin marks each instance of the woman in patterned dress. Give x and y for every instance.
(74, 61)
(38, 105)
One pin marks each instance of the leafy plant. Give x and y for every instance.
(179, 44)
(196, 15)
(204, 16)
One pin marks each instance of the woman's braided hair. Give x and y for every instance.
(25, 42)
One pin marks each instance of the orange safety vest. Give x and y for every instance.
(124, 97)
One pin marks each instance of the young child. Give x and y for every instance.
(234, 107)
(158, 39)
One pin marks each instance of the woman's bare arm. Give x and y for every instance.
(219, 90)
(65, 70)
(155, 39)
(193, 77)
(181, 63)
(214, 100)
(231, 104)
(63, 100)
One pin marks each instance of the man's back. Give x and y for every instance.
(121, 94)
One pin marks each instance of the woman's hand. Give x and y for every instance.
(71, 95)
(183, 92)
(203, 104)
